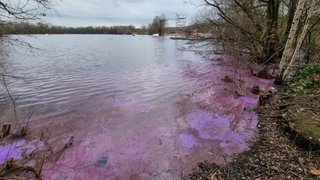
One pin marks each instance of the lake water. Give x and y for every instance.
(138, 107)
(66, 66)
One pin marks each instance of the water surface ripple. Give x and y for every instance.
(139, 107)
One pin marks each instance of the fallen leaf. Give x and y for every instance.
(314, 171)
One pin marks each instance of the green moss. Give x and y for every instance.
(306, 124)
(305, 79)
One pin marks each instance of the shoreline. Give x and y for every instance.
(274, 156)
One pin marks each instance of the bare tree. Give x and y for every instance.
(23, 9)
(12, 11)
(158, 25)
(292, 34)
(257, 23)
(287, 61)
(268, 30)
(19, 10)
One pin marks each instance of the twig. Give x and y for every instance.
(302, 166)
(11, 98)
(65, 147)
(294, 114)
(273, 116)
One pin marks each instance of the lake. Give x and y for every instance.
(137, 107)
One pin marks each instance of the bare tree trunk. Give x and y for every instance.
(309, 9)
(292, 8)
(292, 35)
(270, 37)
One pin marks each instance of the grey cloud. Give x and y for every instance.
(117, 12)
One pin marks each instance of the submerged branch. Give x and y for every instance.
(11, 98)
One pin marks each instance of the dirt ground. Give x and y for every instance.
(282, 152)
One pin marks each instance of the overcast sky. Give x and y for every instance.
(76, 13)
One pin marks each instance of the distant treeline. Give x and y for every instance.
(42, 28)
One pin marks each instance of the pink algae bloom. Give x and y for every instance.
(215, 128)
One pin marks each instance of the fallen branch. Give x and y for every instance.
(5, 130)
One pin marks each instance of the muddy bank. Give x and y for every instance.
(276, 155)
